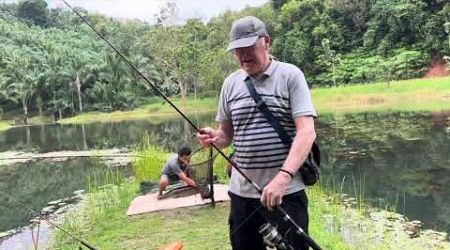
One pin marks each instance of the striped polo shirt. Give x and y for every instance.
(259, 152)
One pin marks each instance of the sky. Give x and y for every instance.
(145, 9)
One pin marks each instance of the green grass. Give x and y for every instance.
(155, 112)
(431, 94)
(38, 120)
(104, 224)
(410, 95)
(4, 125)
(147, 167)
(102, 219)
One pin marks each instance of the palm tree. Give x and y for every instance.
(21, 83)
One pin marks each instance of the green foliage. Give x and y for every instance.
(34, 11)
(303, 26)
(360, 67)
(52, 63)
(395, 24)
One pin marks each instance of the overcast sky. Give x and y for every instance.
(144, 9)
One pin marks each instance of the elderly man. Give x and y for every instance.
(259, 151)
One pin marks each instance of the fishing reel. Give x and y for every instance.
(272, 238)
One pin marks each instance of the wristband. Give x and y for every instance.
(287, 172)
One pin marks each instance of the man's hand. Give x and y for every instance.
(220, 137)
(273, 193)
(186, 179)
(207, 136)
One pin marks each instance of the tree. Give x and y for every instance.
(352, 17)
(167, 15)
(329, 59)
(303, 26)
(21, 78)
(447, 57)
(277, 4)
(34, 11)
(394, 24)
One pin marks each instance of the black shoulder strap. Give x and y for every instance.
(261, 105)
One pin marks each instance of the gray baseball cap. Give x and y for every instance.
(245, 31)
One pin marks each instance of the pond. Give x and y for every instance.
(396, 161)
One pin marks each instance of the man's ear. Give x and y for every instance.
(266, 42)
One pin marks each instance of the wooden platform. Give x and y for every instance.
(149, 202)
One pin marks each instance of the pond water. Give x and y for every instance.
(397, 161)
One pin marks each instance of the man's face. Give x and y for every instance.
(185, 159)
(252, 59)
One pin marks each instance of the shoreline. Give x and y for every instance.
(415, 95)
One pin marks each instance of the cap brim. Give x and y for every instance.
(242, 43)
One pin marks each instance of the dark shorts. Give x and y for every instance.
(172, 178)
(245, 222)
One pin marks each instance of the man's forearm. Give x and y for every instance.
(224, 134)
(301, 146)
(223, 140)
(190, 182)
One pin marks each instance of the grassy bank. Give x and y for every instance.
(4, 125)
(102, 220)
(35, 120)
(156, 112)
(411, 95)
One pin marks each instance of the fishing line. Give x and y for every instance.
(84, 243)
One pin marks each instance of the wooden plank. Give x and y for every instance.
(149, 203)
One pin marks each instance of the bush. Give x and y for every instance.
(361, 67)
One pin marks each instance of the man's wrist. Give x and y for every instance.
(286, 172)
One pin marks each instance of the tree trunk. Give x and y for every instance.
(40, 105)
(183, 92)
(60, 113)
(78, 83)
(28, 133)
(195, 92)
(25, 111)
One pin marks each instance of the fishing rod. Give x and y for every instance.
(82, 242)
(286, 216)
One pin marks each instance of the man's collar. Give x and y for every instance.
(269, 71)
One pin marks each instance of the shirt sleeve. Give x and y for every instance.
(223, 111)
(299, 95)
(175, 166)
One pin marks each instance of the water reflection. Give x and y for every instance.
(395, 161)
(39, 182)
(57, 137)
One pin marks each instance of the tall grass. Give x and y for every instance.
(107, 191)
(4, 125)
(149, 161)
